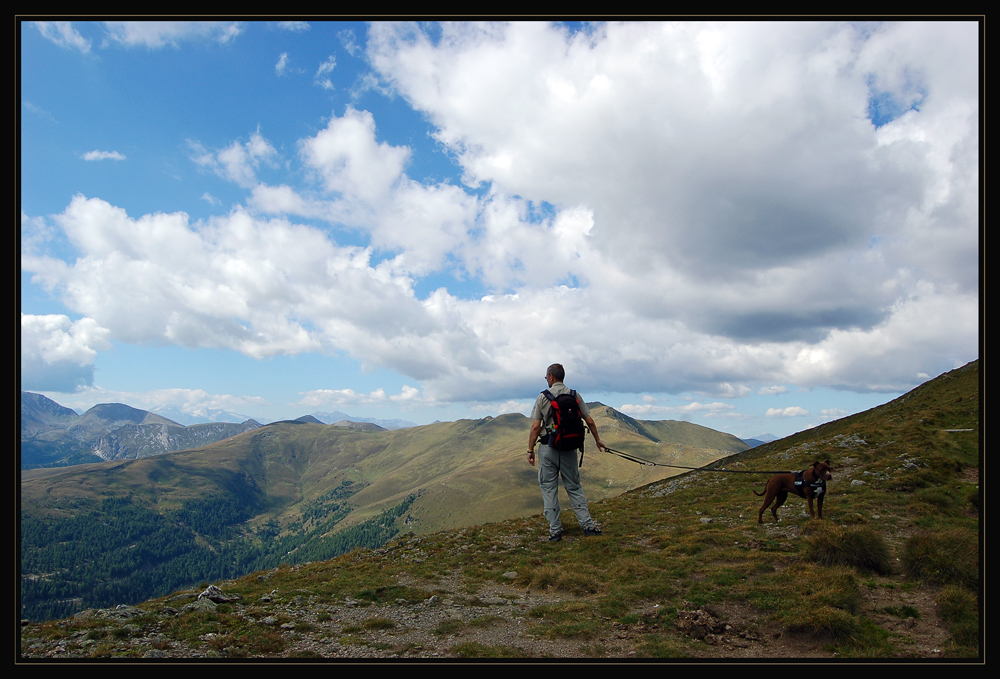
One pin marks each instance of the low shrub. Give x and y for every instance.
(948, 556)
(860, 547)
(958, 609)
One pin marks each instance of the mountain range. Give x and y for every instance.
(55, 436)
(295, 490)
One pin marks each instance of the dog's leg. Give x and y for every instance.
(768, 496)
(819, 505)
(763, 508)
(782, 496)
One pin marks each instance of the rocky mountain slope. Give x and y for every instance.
(54, 436)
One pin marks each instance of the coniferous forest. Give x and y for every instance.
(123, 551)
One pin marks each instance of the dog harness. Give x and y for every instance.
(818, 487)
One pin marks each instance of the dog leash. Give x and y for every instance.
(649, 463)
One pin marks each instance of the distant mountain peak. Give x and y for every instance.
(358, 426)
(337, 416)
(121, 413)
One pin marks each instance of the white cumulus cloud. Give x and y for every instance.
(63, 34)
(669, 207)
(159, 34)
(57, 354)
(103, 155)
(790, 411)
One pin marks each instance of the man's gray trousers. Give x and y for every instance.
(551, 464)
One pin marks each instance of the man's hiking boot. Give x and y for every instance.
(592, 532)
(555, 537)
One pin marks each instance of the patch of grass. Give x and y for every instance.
(568, 619)
(941, 498)
(221, 642)
(378, 623)
(958, 609)
(191, 627)
(946, 556)
(103, 650)
(121, 633)
(848, 517)
(613, 606)
(823, 621)
(578, 583)
(902, 611)
(572, 630)
(474, 650)
(727, 577)
(560, 612)
(816, 587)
(647, 588)
(972, 497)
(447, 627)
(471, 601)
(389, 594)
(577, 580)
(368, 625)
(871, 642)
(860, 547)
(661, 647)
(262, 641)
(304, 654)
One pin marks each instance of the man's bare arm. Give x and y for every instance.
(593, 430)
(536, 430)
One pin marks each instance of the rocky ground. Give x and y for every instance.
(497, 622)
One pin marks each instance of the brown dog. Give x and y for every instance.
(813, 485)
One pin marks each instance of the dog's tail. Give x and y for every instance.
(758, 494)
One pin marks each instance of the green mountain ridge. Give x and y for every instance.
(265, 495)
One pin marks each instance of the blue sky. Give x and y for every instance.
(755, 227)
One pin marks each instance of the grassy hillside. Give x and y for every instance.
(683, 569)
(290, 492)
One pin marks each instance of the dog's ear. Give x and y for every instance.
(815, 464)
(828, 464)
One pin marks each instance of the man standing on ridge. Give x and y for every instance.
(554, 461)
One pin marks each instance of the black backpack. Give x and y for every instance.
(567, 425)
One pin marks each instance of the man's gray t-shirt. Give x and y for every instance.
(543, 409)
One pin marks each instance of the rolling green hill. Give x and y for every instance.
(300, 491)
